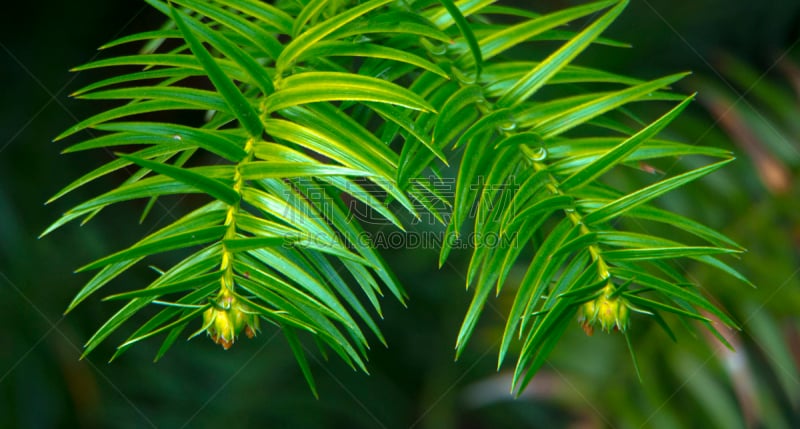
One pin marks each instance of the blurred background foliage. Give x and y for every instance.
(746, 61)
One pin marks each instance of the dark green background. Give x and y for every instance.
(414, 383)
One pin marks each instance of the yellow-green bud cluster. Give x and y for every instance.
(227, 317)
(611, 312)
